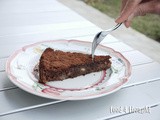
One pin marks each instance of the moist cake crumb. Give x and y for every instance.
(57, 65)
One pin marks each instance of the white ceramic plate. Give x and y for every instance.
(20, 67)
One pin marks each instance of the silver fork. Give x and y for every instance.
(100, 36)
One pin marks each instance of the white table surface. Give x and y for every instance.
(24, 22)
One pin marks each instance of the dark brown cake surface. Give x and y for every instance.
(58, 65)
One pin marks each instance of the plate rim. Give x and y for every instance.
(41, 94)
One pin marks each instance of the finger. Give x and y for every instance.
(124, 2)
(152, 7)
(128, 9)
(143, 9)
(138, 12)
(127, 23)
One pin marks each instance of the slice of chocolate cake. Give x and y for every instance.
(58, 65)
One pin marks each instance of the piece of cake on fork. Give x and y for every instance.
(57, 65)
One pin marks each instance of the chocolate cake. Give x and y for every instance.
(57, 65)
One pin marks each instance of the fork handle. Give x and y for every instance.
(114, 28)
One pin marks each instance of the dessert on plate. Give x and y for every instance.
(57, 65)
